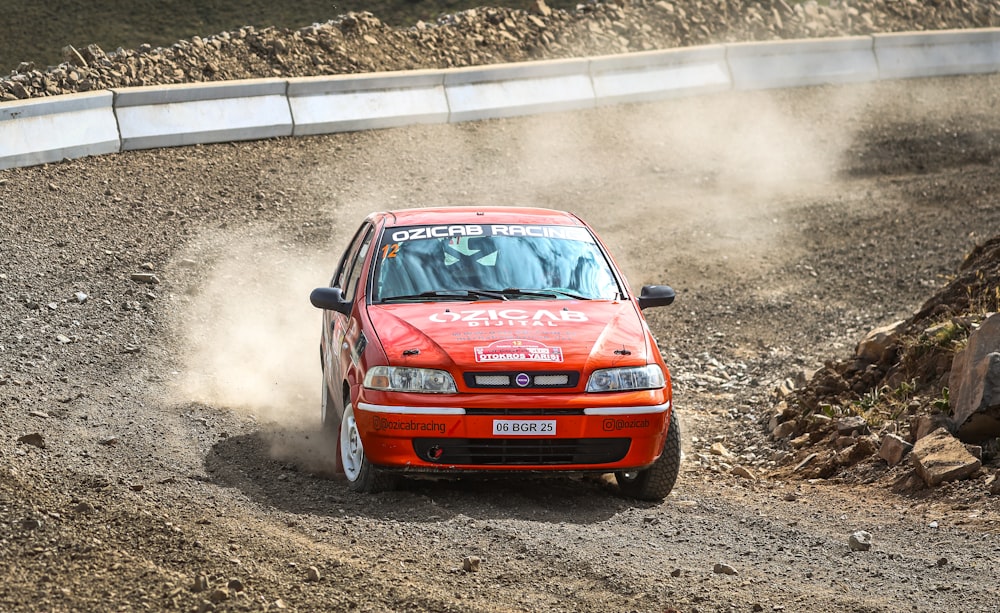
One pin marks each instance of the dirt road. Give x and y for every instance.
(179, 464)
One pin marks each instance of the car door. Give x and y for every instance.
(343, 334)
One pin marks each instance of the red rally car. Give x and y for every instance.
(494, 339)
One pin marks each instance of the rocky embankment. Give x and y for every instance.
(921, 392)
(361, 42)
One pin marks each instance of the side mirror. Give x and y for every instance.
(330, 298)
(656, 296)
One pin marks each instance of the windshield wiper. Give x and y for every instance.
(542, 293)
(462, 294)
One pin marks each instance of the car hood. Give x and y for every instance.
(525, 334)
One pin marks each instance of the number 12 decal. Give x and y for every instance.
(390, 251)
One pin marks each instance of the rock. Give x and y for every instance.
(893, 449)
(540, 8)
(35, 439)
(85, 508)
(236, 585)
(312, 574)
(851, 424)
(974, 384)
(784, 430)
(800, 441)
(863, 448)
(805, 462)
(81, 297)
(62, 339)
(874, 345)
(744, 472)
(145, 277)
(218, 595)
(31, 524)
(73, 57)
(975, 450)
(923, 425)
(860, 541)
(720, 450)
(471, 564)
(940, 457)
(724, 569)
(200, 583)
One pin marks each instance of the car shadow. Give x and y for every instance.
(294, 470)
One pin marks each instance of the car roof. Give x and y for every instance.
(480, 214)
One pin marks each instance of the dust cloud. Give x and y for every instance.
(250, 337)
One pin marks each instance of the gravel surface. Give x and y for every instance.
(161, 447)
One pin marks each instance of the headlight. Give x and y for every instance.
(624, 379)
(400, 379)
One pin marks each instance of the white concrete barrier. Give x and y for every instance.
(188, 114)
(797, 63)
(930, 54)
(653, 75)
(508, 90)
(43, 130)
(362, 102)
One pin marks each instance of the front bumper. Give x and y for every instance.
(572, 437)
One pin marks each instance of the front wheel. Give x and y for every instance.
(654, 483)
(361, 475)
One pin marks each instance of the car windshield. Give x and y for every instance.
(492, 262)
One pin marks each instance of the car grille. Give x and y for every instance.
(519, 379)
(522, 412)
(512, 452)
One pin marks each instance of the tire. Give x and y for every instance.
(361, 475)
(655, 482)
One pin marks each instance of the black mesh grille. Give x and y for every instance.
(508, 452)
(512, 412)
(536, 379)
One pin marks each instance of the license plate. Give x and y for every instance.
(524, 427)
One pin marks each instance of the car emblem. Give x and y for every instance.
(522, 380)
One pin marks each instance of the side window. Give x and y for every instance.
(351, 289)
(344, 267)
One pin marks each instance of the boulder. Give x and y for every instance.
(974, 384)
(940, 457)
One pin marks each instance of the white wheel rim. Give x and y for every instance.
(352, 454)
